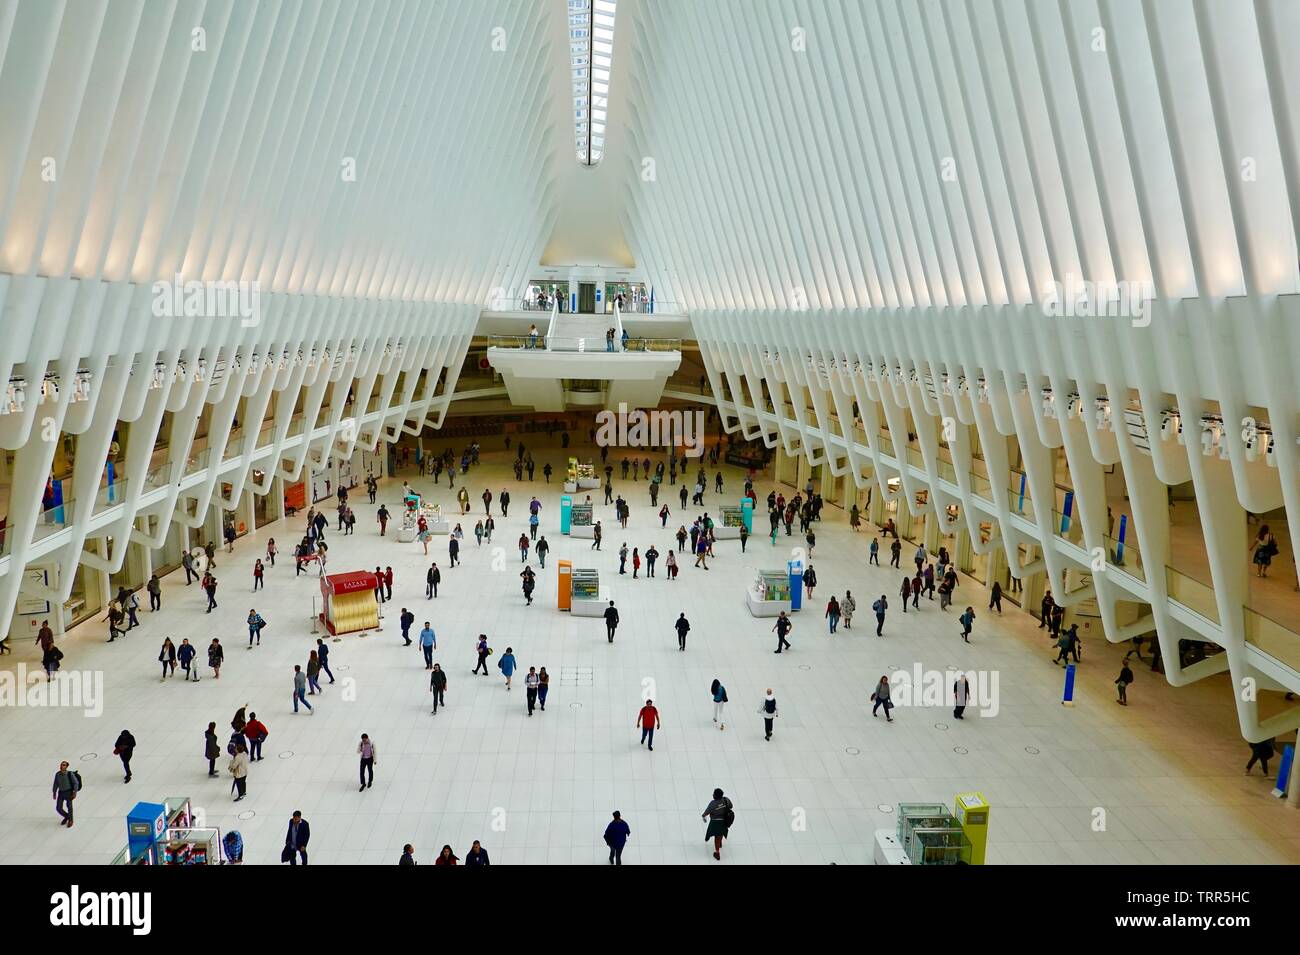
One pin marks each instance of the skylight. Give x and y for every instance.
(591, 49)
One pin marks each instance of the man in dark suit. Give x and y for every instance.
(295, 840)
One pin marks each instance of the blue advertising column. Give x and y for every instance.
(1066, 508)
(1067, 698)
(1119, 544)
(1020, 506)
(747, 514)
(796, 584)
(145, 825)
(566, 512)
(1284, 771)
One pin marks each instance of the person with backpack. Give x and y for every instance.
(406, 620)
(1122, 681)
(507, 665)
(1063, 648)
(782, 629)
(881, 698)
(721, 815)
(967, 620)
(616, 835)
(611, 621)
(767, 709)
(67, 783)
(719, 693)
(124, 749)
(879, 607)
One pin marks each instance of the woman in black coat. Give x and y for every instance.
(211, 749)
(123, 749)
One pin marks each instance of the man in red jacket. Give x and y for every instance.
(256, 732)
(648, 720)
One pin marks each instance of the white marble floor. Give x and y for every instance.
(1167, 771)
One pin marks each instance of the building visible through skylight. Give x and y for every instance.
(591, 49)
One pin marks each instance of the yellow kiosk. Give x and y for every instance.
(973, 814)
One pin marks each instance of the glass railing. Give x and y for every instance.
(885, 445)
(1073, 531)
(1018, 505)
(1274, 638)
(54, 519)
(110, 495)
(981, 487)
(197, 462)
(916, 458)
(159, 476)
(1128, 558)
(1192, 593)
(517, 341)
(947, 471)
(653, 344)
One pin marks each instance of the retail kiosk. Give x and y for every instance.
(350, 603)
(566, 513)
(769, 593)
(165, 833)
(581, 522)
(587, 598)
(734, 517)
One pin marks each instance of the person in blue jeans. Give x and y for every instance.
(428, 643)
(323, 652)
(648, 720)
(616, 836)
(300, 689)
(507, 665)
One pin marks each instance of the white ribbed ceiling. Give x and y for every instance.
(762, 153)
(234, 161)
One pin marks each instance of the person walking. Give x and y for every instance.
(453, 550)
(507, 665)
(636, 563)
(596, 535)
(543, 687)
(124, 749)
(616, 835)
(186, 654)
(611, 621)
(622, 558)
(881, 698)
(408, 855)
(483, 650)
(369, 755)
(906, 592)
(847, 606)
(719, 694)
(721, 815)
(782, 628)
(895, 553)
(296, 839)
(67, 783)
(1263, 550)
(529, 582)
(995, 598)
(1122, 681)
(879, 607)
(531, 682)
(833, 613)
(210, 586)
(960, 694)
(406, 620)
(702, 551)
(875, 552)
(542, 550)
(154, 588)
(255, 625)
(477, 855)
(300, 689)
(211, 748)
(432, 578)
(767, 709)
(216, 656)
(187, 562)
(648, 720)
(967, 620)
(438, 686)
(313, 673)
(323, 652)
(682, 626)
(428, 643)
(382, 516)
(239, 771)
(671, 563)
(1261, 753)
(167, 657)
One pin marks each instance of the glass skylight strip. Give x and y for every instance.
(591, 51)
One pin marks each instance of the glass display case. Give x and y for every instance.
(580, 516)
(931, 835)
(586, 584)
(769, 594)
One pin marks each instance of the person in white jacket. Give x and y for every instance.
(239, 770)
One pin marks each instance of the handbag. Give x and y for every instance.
(286, 854)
